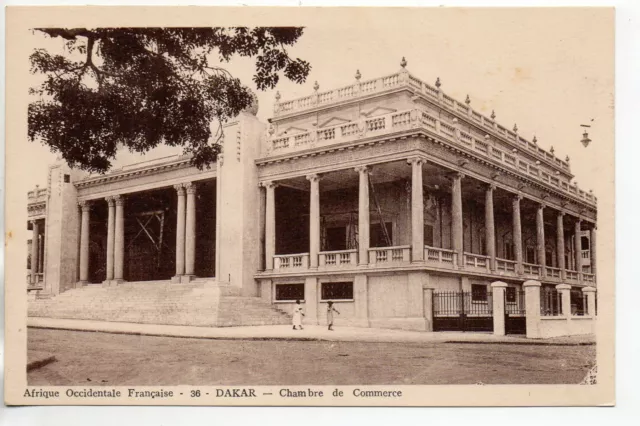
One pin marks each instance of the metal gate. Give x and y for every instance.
(515, 320)
(462, 311)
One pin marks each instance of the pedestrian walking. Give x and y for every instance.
(298, 313)
(330, 311)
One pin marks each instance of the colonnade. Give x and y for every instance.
(417, 223)
(185, 236)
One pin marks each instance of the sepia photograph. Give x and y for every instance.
(310, 207)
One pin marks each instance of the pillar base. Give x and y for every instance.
(176, 279)
(81, 283)
(112, 283)
(184, 279)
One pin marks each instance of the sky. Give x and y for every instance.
(547, 70)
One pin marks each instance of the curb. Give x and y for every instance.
(528, 343)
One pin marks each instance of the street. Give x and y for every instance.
(118, 359)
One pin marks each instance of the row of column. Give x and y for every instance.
(417, 223)
(37, 251)
(185, 235)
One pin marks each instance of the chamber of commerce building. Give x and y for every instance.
(403, 206)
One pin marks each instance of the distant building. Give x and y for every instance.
(368, 195)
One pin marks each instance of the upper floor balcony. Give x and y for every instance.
(417, 118)
(391, 83)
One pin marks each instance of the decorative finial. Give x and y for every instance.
(552, 150)
(403, 62)
(316, 86)
(438, 84)
(358, 75)
(515, 128)
(468, 100)
(535, 139)
(566, 159)
(493, 115)
(278, 96)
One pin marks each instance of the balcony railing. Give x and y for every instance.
(384, 255)
(531, 269)
(405, 79)
(586, 254)
(553, 272)
(291, 261)
(588, 278)
(338, 258)
(504, 265)
(476, 261)
(441, 257)
(572, 275)
(402, 120)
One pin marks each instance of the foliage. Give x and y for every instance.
(141, 87)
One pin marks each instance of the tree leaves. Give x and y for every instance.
(140, 87)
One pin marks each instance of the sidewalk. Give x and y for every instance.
(285, 332)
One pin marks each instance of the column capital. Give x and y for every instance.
(588, 289)
(456, 175)
(517, 197)
(85, 205)
(119, 200)
(416, 160)
(314, 177)
(362, 169)
(561, 213)
(190, 187)
(179, 188)
(532, 283)
(563, 287)
(269, 184)
(541, 206)
(499, 284)
(110, 200)
(491, 187)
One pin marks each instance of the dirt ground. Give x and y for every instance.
(93, 358)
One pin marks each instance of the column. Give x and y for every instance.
(35, 252)
(532, 307)
(542, 260)
(111, 222)
(180, 230)
(417, 210)
(578, 247)
(456, 217)
(489, 226)
(560, 244)
(427, 300)
(314, 220)
(499, 289)
(84, 241)
(41, 253)
(190, 230)
(517, 232)
(363, 215)
(270, 224)
(592, 245)
(118, 249)
(590, 292)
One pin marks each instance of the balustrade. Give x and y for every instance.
(572, 275)
(291, 261)
(397, 254)
(442, 257)
(588, 278)
(553, 272)
(338, 258)
(531, 269)
(504, 265)
(476, 261)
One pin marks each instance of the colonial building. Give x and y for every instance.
(387, 197)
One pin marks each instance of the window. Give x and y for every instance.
(511, 295)
(530, 255)
(337, 291)
(67, 178)
(508, 251)
(376, 234)
(290, 292)
(428, 235)
(584, 243)
(336, 238)
(478, 293)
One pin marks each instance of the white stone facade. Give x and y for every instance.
(373, 196)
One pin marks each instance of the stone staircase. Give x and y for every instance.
(199, 303)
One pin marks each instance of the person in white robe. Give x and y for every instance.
(298, 313)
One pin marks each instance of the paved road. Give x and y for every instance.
(94, 358)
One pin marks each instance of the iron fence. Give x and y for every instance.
(550, 302)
